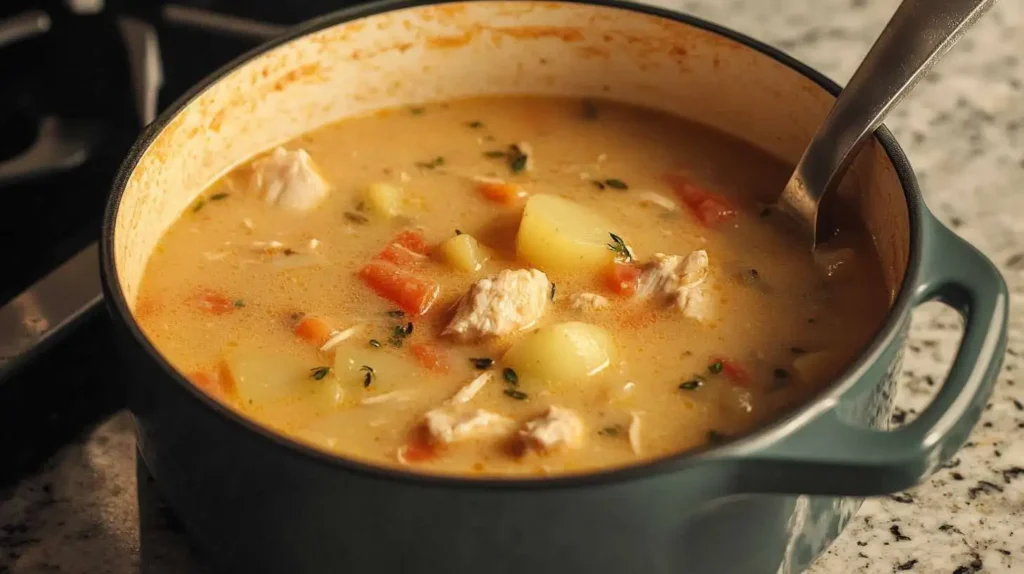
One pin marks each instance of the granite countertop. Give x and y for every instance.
(90, 509)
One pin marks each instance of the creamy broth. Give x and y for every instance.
(245, 288)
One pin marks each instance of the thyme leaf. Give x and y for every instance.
(516, 394)
(434, 163)
(318, 373)
(369, 375)
(620, 248)
(510, 377)
(482, 363)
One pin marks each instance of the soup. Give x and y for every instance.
(507, 286)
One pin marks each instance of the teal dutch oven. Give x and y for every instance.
(769, 502)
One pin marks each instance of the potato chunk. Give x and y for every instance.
(562, 353)
(464, 252)
(352, 364)
(384, 199)
(558, 235)
(261, 378)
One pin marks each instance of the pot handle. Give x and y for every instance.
(832, 456)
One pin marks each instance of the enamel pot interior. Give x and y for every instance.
(329, 71)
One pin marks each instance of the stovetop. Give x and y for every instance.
(78, 81)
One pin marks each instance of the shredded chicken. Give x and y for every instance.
(449, 424)
(680, 281)
(589, 302)
(634, 432)
(557, 428)
(289, 179)
(657, 199)
(500, 304)
(469, 391)
(393, 396)
(337, 337)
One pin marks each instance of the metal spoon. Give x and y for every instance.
(919, 33)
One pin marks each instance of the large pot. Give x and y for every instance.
(769, 502)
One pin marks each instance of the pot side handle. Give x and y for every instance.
(830, 456)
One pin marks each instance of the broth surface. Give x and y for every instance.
(232, 278)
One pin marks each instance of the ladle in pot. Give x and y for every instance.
(919, 33)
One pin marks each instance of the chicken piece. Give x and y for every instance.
(469, 391)
(679, 281)
(289, 179)
(634, 432)
(449, 424)
(501, 304)
(589, 302)
(557, 428)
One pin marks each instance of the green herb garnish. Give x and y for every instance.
(396, 313)
(516, 394)
(375, 343)
(517, 159)
(495, 154)
(475, 124)
(319, 373)
(434, 163)
(399, 333)
(219, 196)
(369, 376)
(597, 184)
(356, 217)
(616, 184)
(611, 431)
(239, 303)
(510, 377)
(589, 110)
(482, 363)
(199, 205)
(716, 367)
(620, 248)
(692, 385)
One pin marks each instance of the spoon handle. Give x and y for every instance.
(918, 34)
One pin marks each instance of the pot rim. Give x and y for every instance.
(739, 448)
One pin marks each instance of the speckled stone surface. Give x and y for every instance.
(88, 510)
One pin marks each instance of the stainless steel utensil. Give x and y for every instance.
(919, 33)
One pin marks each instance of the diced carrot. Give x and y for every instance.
(406, 248)
(214, 303)
(622, 278)
(430, 357)
(411, 293)
(733, 371)
(313, 330)
(499, 191)
(412, 239)
(707, 207)
(212, 383)
(419, 448)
